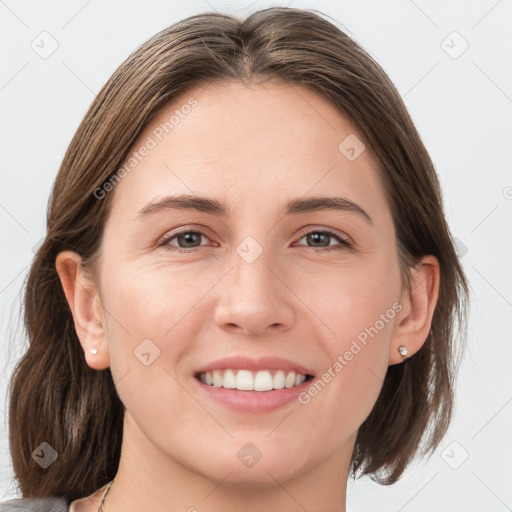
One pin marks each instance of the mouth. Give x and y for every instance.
(249, 385)
(247, 380)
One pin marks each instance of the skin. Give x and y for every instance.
(253, 148)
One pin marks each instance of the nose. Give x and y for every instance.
(255, 299)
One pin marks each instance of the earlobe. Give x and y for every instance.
(84, 302)
(413, 325)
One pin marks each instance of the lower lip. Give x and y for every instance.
(253, 401)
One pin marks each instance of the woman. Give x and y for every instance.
(191, 346)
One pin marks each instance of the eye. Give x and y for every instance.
(186, 239)
(322, 237)
(189, 240)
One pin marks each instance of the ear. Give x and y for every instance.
(84, 301)
(415, 318)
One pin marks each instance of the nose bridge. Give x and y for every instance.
(251, 272)
(253, 298)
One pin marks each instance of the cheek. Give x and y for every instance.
(151, 298)
(360, 309)
(149, 334)
(150, 319)
(353, 303)
(344, 392)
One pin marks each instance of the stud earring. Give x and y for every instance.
(99, 322)
(402, 350)
(94, 351)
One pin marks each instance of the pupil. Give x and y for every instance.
(314, 237)
(189, 237)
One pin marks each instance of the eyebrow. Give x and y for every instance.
(213, 207)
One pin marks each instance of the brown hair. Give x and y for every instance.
(56, 397)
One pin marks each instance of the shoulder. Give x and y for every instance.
(50, 504)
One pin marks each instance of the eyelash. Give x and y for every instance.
(344, 242)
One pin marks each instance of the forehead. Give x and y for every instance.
(269, 142)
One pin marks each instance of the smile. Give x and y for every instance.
(246, 380)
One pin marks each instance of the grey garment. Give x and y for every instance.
(35, 505)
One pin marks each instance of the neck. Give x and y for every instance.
(148, 479)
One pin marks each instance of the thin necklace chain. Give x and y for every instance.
(100, 509)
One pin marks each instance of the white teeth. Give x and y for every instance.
(279, 380)
(263, 381)
(246, 380)
(289, 382)
(299, 379)
(229, 380)
(217, 379)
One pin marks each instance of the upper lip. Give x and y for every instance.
(247, 363)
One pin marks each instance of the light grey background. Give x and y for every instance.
(462, 107)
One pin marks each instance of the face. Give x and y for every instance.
(182, 288)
